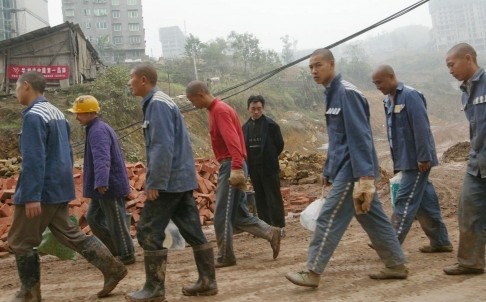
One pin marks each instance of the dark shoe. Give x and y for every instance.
(275, 241)
(436, 249)
(206, 284)
(154, 288)
(397, 272)
(218, 264)
(98, 254)
(28, 267)
(306, 279)
(371, 245)
(456, 269)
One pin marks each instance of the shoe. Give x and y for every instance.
(275, 241)
(304, 279)
(436, 249)
(218, 264)
(457, 269)
(397, 272)
(371, 245)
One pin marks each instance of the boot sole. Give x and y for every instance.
(210, 292)
(107, 290)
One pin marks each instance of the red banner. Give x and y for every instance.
(52, 72)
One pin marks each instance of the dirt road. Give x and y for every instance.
(257, 277)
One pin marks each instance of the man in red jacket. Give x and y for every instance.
(229, 149)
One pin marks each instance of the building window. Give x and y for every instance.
(100, 12)
(115, 14)
(69, 12)
(117, 40)
(132, 2)
(134, 39)
(87, 12)
(132, 13)
(101, 25)
(115, 2)
(133, 26)
(88, 25)
(117, 27)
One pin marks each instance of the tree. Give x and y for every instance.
(194, 47)
(288, 49)
(214, 55)
(354, 64)
(245, 49)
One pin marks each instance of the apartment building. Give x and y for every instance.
(114, 27)
(173, 42)
(455, 21)
(18, 17)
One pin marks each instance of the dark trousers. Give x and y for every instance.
(181, 208)
(268, 198)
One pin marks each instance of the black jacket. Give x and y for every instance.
(272, 145)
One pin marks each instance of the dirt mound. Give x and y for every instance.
(458, 152)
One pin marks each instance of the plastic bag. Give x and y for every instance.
(173, 238)
(50, 245)
(310, 214)
(394, 186)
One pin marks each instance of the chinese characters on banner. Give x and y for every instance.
(52, 72)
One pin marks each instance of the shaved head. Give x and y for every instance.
(147, 70)
(195, 87)
(385, 70)
(384, 79)
(462, 49)
(325, 53)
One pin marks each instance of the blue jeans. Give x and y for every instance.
(416, 198)
(107, 219)
(231, 214)
(156, 214)
(333, 220)
(472, 222)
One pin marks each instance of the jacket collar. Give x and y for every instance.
(35, 101)
(467, 85)
(146, 99)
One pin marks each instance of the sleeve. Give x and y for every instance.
(161, 150)
(33, 148)
(419, 123)
(231, 138)
(358, 134)
(99, 140)
(279, 142)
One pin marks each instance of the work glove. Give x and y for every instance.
(363, 194)
(237, 179)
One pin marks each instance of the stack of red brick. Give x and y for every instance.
(207, 175)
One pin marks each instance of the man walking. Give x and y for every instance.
(44, 188)
(264, 143)
(412, 148)
(352, 167)
(171, 178)
(105, 180)
(229, 149)
(462, 63)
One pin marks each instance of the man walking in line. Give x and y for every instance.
(229, 149)
(412, 148)
(105, 180)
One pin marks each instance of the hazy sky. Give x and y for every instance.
(311, 23)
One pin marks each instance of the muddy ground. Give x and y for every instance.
(257, 277)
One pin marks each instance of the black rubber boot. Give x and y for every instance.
(28, 267)
(154, 288)
(98, 254)
(206, 284)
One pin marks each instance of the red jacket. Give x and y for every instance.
(226, 136)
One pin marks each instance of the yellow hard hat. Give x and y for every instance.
(85, 103)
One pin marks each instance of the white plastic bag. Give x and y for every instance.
(309, 215)
(173, 238)
(394, 186)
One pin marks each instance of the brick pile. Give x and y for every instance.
(204, 195)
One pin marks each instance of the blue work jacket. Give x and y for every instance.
(408, 126)
(351, 152)
(47, 159)
(474, 105)
(170, 161)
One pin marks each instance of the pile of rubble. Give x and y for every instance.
(9, 167)
(301, 169)
(207, 174)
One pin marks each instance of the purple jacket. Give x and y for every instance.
(104, 164)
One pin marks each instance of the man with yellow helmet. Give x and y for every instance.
(105, 180)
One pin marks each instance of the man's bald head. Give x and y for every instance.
(463, 49)
(195, 87)
(384, 79)
(198, 93)
(325, 54)
(147, 70)
(385, 70)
